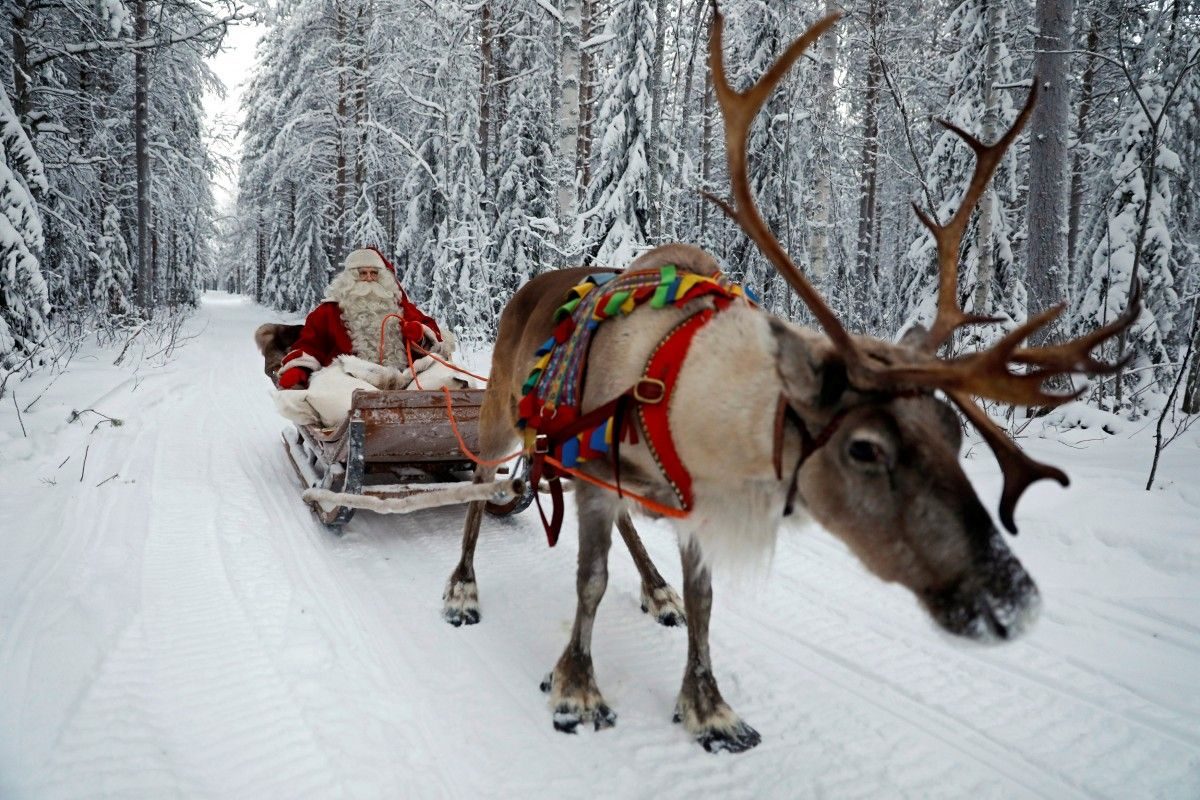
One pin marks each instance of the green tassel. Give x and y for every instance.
(667, 277)
(566, 309)
(614, 303)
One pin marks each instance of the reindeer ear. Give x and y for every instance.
(813, 374)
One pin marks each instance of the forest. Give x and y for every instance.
(480, 143)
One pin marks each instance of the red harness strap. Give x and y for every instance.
(663, 369)
(651, 395)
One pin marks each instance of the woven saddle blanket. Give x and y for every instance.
(554, 389)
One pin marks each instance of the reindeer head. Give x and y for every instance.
(881, 451)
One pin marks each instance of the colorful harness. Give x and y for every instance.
(549, 412)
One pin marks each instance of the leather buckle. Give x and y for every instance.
(649, 390)
(541, 444)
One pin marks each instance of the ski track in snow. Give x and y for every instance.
(188, 629)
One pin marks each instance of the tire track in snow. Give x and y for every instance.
(324, 641)
(1106, 694)
(361, 694)
(954, 681)
(74, 591)
(192, 666)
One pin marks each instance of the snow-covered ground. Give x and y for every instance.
(173, 622)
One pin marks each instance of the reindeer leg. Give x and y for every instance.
(460, 600)
(700, 707)
(659, 600)
(572, 685)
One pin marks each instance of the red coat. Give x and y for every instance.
(325, 337)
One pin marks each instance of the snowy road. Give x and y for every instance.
(187, 629)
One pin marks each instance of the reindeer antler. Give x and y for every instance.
(739, 110)
(950, 316)
(989, 373)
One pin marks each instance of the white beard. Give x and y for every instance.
(363, 305)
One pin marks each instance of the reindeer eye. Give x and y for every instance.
(865, 451)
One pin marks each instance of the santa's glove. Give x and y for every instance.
(294, 378)
(414, 331)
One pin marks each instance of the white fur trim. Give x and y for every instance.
(302, 360)
(293, 404)
(377, 375)
(365, 258)
(331, 392)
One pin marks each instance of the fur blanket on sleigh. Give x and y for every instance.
(327, 399)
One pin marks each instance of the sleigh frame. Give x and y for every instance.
(397, 452)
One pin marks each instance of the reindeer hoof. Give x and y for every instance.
(569, 716)
(461, 603)
(738, 739)
(665, 606)
(719, 730)
(577, 702)
(460, 618)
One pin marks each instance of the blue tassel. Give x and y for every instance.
(597, 441)
(570, 452)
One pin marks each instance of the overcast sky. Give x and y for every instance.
(232, 65)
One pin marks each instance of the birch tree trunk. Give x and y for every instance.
(568, 123)
(583, 151)
(141, 124)
(822, 163)
(987, 203)
(1048, 164)
(653, 141)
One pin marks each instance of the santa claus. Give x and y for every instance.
(350, 320)
(339, 346)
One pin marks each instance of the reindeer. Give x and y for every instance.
(870, 450)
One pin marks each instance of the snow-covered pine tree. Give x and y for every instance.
(461, 284)
(24, 304)
(421, 206)
(181, 196)
(309, 269)
(613, 220)
(988, 281)
(114, 274)
(419, 125)
(524, 231)
(1136, 210)
(279, 290)
(366, 230)
(755, 39)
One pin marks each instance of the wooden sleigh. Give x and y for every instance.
(397, 452)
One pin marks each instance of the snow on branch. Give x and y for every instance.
(148, 43)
